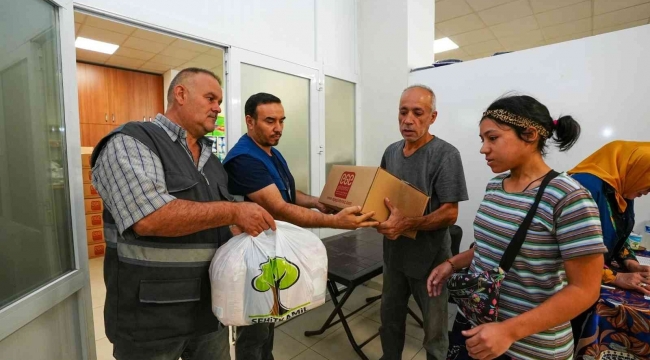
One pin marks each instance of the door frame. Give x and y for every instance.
(236, 57)
(75, 282)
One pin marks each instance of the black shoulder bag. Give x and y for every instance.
(477, 295)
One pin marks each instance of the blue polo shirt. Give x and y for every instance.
(247, 175)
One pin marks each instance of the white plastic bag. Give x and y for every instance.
(272, 277)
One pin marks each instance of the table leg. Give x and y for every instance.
(416, 318)
(373, 298)
(346, 327)
(331, 287)
(328, 323)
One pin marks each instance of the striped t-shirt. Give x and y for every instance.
(566, 226)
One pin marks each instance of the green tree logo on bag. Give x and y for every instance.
(277, 274)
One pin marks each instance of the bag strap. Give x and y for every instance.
(518, 240)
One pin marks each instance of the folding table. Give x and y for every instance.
(354, 258)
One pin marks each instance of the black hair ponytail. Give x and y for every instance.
(566, 132)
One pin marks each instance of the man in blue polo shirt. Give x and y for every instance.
(258, 172)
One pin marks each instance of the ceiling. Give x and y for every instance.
(483, 27)
(479, 27)
(144, 50)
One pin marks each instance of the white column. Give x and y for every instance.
(421, 32)
(395, 36)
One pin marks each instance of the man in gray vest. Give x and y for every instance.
(167, 211)
(434, 166)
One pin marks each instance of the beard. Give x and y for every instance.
(272, 141)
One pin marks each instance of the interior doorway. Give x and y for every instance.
(124, 77)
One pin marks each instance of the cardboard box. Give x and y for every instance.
(94, 206)
(96, 250)
(87, 175)
(94, 221)
(95, 236)
(368, 187)
(90, 191)
(85, 156)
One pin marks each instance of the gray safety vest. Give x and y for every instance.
(158, 288)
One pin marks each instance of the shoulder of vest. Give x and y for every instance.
(240, 148)
(140, 126)
(141, 131)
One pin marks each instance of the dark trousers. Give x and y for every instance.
(213, 346)
(254, 342)
(394, 307)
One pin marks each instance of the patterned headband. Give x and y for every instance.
(516, 120)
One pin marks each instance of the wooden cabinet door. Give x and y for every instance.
(92, 133)
(119, 99)
(138, 95)
(155, 101)
(93, 85)
(82, 93)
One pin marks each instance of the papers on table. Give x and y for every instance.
(643, 260)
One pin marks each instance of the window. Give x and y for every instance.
(35, 232)
(339, 123)
(293, 91)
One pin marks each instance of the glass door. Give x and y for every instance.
(294, 93)
(44, 289)
(297, 87)
(339, 129)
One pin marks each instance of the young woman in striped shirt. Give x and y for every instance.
(556, 274)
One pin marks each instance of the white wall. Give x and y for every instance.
(394, 37)
(337, 38)
(602, 81)
(284, 29)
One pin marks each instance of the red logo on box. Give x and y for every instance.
(93, 190)
(96, 219)
(96, 205)
(90, 176)
(97, 235)
(345, 183)
(98, 250)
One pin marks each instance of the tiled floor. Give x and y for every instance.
(290, 343)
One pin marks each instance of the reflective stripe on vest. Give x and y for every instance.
(157, 254)
(110, 234)
(165, 257)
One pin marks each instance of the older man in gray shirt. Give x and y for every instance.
(433, 166)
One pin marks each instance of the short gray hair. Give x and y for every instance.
(182, 76)
(427, 89)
